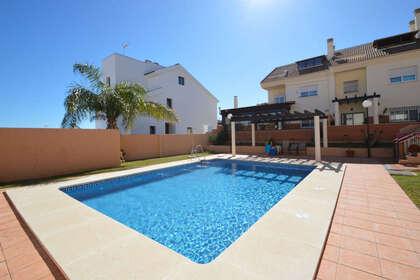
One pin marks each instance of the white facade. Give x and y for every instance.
(319, 101)
(394, 95)
(403, 97)
(195, 106)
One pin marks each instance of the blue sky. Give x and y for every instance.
(228, 45)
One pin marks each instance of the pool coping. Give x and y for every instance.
(286, 242)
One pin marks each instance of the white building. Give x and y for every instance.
(385, 71)
(173, 86)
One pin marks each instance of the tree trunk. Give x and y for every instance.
(111, 123)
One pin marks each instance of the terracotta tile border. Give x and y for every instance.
(375, 231)
(19, 266)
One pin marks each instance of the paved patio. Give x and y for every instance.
(375, 232)
(20, 255)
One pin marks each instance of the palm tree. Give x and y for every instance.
(102, 102)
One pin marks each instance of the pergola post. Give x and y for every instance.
(325, 133)
(375, 110)
(232, 125)
(337, 114)
(317, 139)
(253, 134)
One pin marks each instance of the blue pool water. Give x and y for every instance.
(197, 210)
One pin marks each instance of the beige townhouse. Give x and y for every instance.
(384, 71)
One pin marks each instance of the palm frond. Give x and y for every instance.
(134, 103)
(79, 104)
(91, 73)
(158, 111)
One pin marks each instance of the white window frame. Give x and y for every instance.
(308, 91)
(280, 99)
(402, 75)
(404, 111)
(181, 80)
(352, 86)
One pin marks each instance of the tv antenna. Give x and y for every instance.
(124, 46)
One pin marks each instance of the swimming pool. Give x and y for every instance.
(197, 210)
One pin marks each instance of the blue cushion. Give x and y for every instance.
(267, 149)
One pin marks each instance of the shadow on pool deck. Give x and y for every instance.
(327, 164)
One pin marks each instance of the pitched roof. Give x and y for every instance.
(378, 48)
(181, 68)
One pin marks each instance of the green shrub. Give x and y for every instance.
(220, 138)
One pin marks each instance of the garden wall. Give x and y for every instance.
(338, 134)
(358, 152)
(150, 146)
(245, 150)
(29, 153)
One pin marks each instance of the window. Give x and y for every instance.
(352, 118)
(307, 123)
(308, 91)
(108, 81)
(310, 63)
(395, 80)
(170, 128)
(403, 75)
(152, 129)
(169, 102)
(181, 80)
(280, 99)
(409, 78)
(189, 130)
(351, 86)
(401, 114)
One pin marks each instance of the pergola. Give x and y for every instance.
(357, 99)
(279, 112)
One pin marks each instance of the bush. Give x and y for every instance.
(414, 149)
(220, 138)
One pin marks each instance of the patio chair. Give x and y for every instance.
(293, 149)
(301, 150)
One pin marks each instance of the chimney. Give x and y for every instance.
(417, 22)
(235, 102)
(412, 26)
(331, 47)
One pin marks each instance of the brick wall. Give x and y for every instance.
(358, 152)
(240, 150)
(261, 136)
(386, 133)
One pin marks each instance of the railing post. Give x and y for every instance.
(232, 124)
(253, 134)
(317, 138)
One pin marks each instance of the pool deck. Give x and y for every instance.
(287, 242)
(89, 245)
(376, 229)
